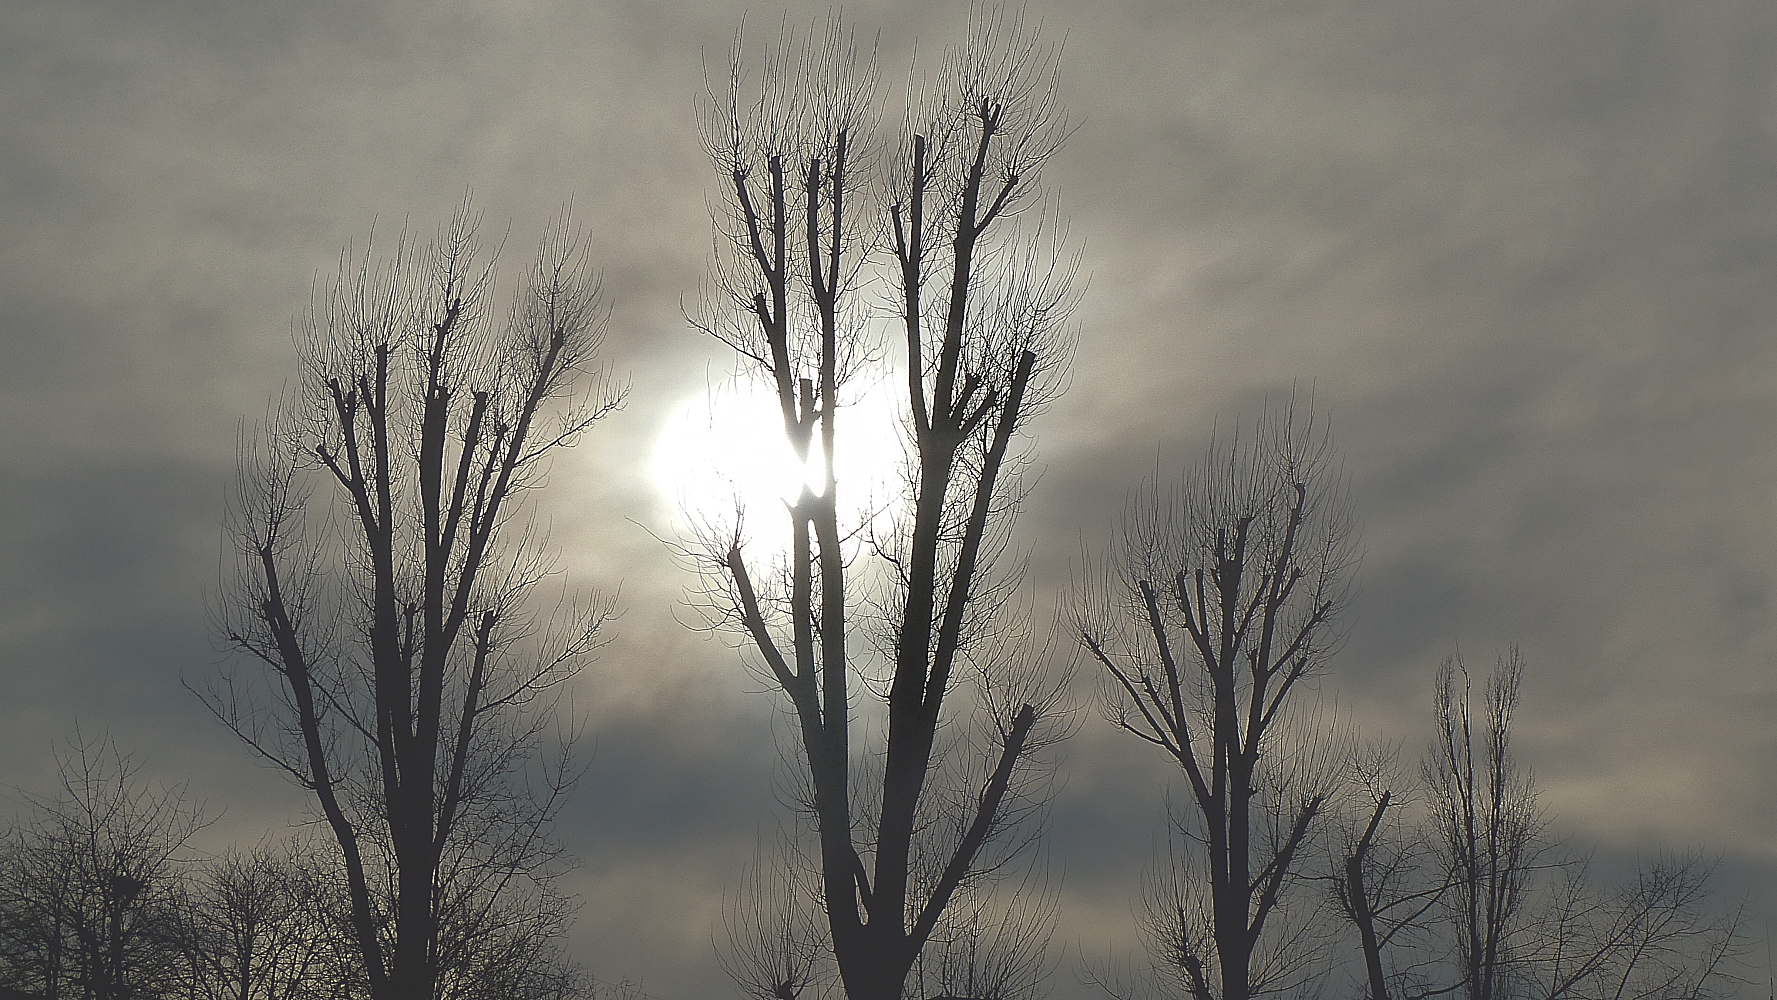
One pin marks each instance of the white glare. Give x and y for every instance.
(723, 454)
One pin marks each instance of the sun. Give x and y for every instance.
(722, 456)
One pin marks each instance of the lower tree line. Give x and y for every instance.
(1305, 863)
(1402, 883)
(104, 897)
(1465, 891)
(1441, 880)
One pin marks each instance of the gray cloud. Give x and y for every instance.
(1522, 254)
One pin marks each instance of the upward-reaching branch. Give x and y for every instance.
(435, 409)
(976, 373)
(1231, 549)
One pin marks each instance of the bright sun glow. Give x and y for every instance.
(725, 450)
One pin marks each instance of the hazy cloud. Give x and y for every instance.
(1522, 254)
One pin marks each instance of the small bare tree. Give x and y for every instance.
(1656, 935)
(1485, 813)
(1385, 877)
(980, 304)
(991, 945)
(1525, 918)
(257, 926)
(776, 947)
(409, 687)
(1208, 622)
(90, 885)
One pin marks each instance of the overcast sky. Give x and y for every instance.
(1524, 254)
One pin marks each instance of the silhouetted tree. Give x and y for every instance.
(1525, 918)
(1207, 621)
(980, 304)
(410, 685)
(1484, 808)
(776, 946)
(90, 886)
(259, 926)
(1386, 877)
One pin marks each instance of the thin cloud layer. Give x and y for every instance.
(1521, 255)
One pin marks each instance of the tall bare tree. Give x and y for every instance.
(1486, 817)
(385, 573)
(981, 303)
(1208, 621)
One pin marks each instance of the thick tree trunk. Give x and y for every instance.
(411, 977)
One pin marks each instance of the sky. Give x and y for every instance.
(1522, 254)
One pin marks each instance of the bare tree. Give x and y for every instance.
(776, 947)
(1526, 919)
(91, 882)
(384, 577)
(981, 305)
(1658, 934)
(257, 925)
(1354, 885)
(1208, 622)
(1385, 877)
(991, 945)
(1485, 812)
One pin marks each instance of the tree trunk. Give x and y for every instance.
(1356, 892)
